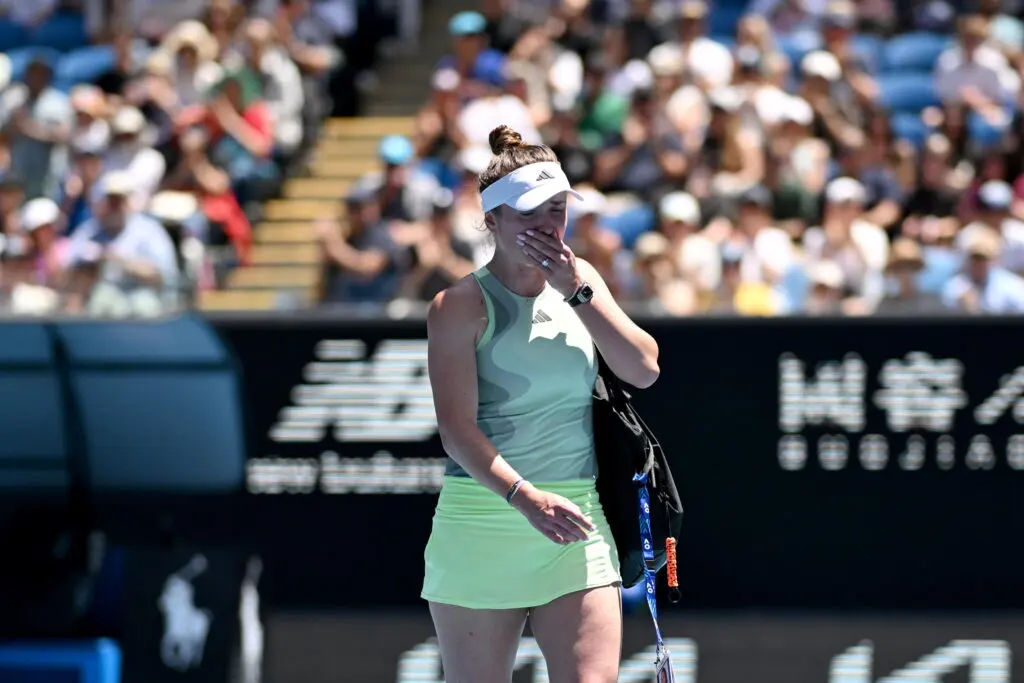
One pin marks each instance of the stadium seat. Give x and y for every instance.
(84, 65)
(22, 57)
(12, 36)
(869, 48)
(92, 661)
(795, 46)
(63, 32)
(906, 92)
(724, 18)
(913, 52)
(909, 126)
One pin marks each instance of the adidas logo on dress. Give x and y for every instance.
(541, 317)
(544, 175)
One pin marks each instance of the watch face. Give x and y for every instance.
(586, 293)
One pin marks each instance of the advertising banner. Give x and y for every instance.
(822, 463)
(723, 648)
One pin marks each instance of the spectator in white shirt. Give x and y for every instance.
(981, 286)
(477, 118)
(282, 82)
(128, 153)
(860, 248)
(708, 62)
(973, 73)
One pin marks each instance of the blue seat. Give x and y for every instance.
(22, 57)
(907, 92)
(724, 19)
(913, 52)
(64, 31)
(909, 126)
(869, 48)
(12, 36)
(797, 45)
(85, 64)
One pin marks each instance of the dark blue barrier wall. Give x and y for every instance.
(135, 430)
(823, 463)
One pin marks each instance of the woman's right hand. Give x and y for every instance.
(555, 516)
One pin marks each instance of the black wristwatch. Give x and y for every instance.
(584, 293)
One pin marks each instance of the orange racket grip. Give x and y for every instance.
(672, 569)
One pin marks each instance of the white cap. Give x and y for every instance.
(117, 183)
(827, 273)
(843, 190)
(638, 74)
(822, 64)
(680, 206)
(128, 120)
(39, 212)
(526, 188)
(726, 98)
(173, 207)
(666, 59)
(474, 159)
(446, 80)
(591, 202)
(798, 112)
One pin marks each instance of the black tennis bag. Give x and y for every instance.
(626, 447)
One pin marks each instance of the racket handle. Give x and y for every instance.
(672, 569)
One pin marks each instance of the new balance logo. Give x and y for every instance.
(541, 317)
(385, 397)
(544, 175)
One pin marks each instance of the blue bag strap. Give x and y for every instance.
(647, 540)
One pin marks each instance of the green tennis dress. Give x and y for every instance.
(536, 371)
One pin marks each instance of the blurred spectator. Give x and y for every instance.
(405, 192)
(128, 153)
(364, 263)
(902, 290)
(38, 119)
(439, 259)
(80, 187)
(982, 286)
(282, 83)
(121, 262)
(858, 247)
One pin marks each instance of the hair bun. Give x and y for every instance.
(503, 139)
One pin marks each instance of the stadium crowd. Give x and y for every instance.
(135, 149)
(771, 157)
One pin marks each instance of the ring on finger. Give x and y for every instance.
(545, 263)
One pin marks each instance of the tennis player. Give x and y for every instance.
(519, 531)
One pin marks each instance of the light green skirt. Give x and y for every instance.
(483, 554)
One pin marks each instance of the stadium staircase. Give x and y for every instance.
(286, 271)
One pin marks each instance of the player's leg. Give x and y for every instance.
(580, 635)
(477, 644)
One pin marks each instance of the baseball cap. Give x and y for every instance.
(39, 212)
(173, 207)
(396, 150)
(117, 183)
(758, 195)
(982, 241)
(822, 64)
(467, 24)
(363, 190)
(680, 206)
(526, 188)
(844, 190)
(128, 121)
(996, 195)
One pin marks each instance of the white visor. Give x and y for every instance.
(526, 188)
